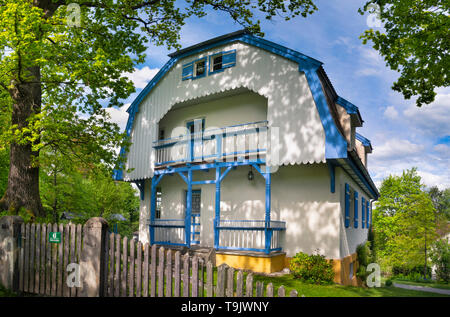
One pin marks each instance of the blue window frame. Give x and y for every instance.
(200, 68)
(195, 69)
(220, 61)
(187, 71)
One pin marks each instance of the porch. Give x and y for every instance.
(220, 150)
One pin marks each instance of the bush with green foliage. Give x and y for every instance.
(314, 269)
(365, 254)
(440, 257)
(410, 273)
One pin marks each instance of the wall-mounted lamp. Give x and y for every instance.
(250, 175)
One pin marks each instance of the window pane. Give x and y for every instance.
(217, 63)
(200, 68)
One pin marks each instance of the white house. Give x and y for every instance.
(243, 145)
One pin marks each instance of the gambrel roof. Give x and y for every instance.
(322, 92)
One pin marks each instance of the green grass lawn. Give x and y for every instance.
(424, 284)
(335, 290)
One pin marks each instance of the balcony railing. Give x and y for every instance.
(241, 235)
(238, 141)
(250, 235)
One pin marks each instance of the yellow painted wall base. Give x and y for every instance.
(255, 263)
(341, 269)
(276, 263)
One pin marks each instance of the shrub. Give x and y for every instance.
(440, 257)
(411, 273)
(365, 257)
(314, 269)
(388, 283)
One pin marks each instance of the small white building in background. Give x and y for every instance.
(243, 145)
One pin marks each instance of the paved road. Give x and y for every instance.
(423, 288)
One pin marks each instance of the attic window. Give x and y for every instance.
(200, 68)
(219, 61)
(195, 69)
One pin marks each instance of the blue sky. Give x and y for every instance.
(402, 135)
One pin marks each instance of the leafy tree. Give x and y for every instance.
(441, 203)
(440, 256)
(84, 192)
(62, 61)
(403, 221)
(415, 42)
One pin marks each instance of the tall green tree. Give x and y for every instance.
(403, 221)
(60, 59)
(415, 41)
(82, 193)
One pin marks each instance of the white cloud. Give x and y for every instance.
(391, 113)
(141, 77)
(432, 119)
(397, 149)
(119, 115)
(430, 179)
(443, 149)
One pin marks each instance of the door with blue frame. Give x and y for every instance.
(195, 129)
(195, 215)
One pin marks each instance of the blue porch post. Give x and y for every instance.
(153, 209)
(267, 231)
(187, 219)
(217, 210)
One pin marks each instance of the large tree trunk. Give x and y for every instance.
(23, 178)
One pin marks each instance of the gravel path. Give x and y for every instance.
(423, 288)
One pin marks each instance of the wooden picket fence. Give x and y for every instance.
(42, 264)
(138, 270)
(131, 269)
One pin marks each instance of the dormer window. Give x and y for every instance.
(200, 68)
(195, 69)
(215, 63)
(222, 60)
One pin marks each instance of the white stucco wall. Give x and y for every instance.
(300, 196)
(290, 106)
(244, 107)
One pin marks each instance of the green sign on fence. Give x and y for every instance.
(54, 237)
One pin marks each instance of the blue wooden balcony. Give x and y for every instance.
(239, 235)
(242, 141)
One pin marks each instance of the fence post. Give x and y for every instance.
(10, 239)
(93, 256)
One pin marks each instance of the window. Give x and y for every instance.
(200, 68)
(195, 69)
(220, 61)
(347, 206)
(217, 63)
(158, 203)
